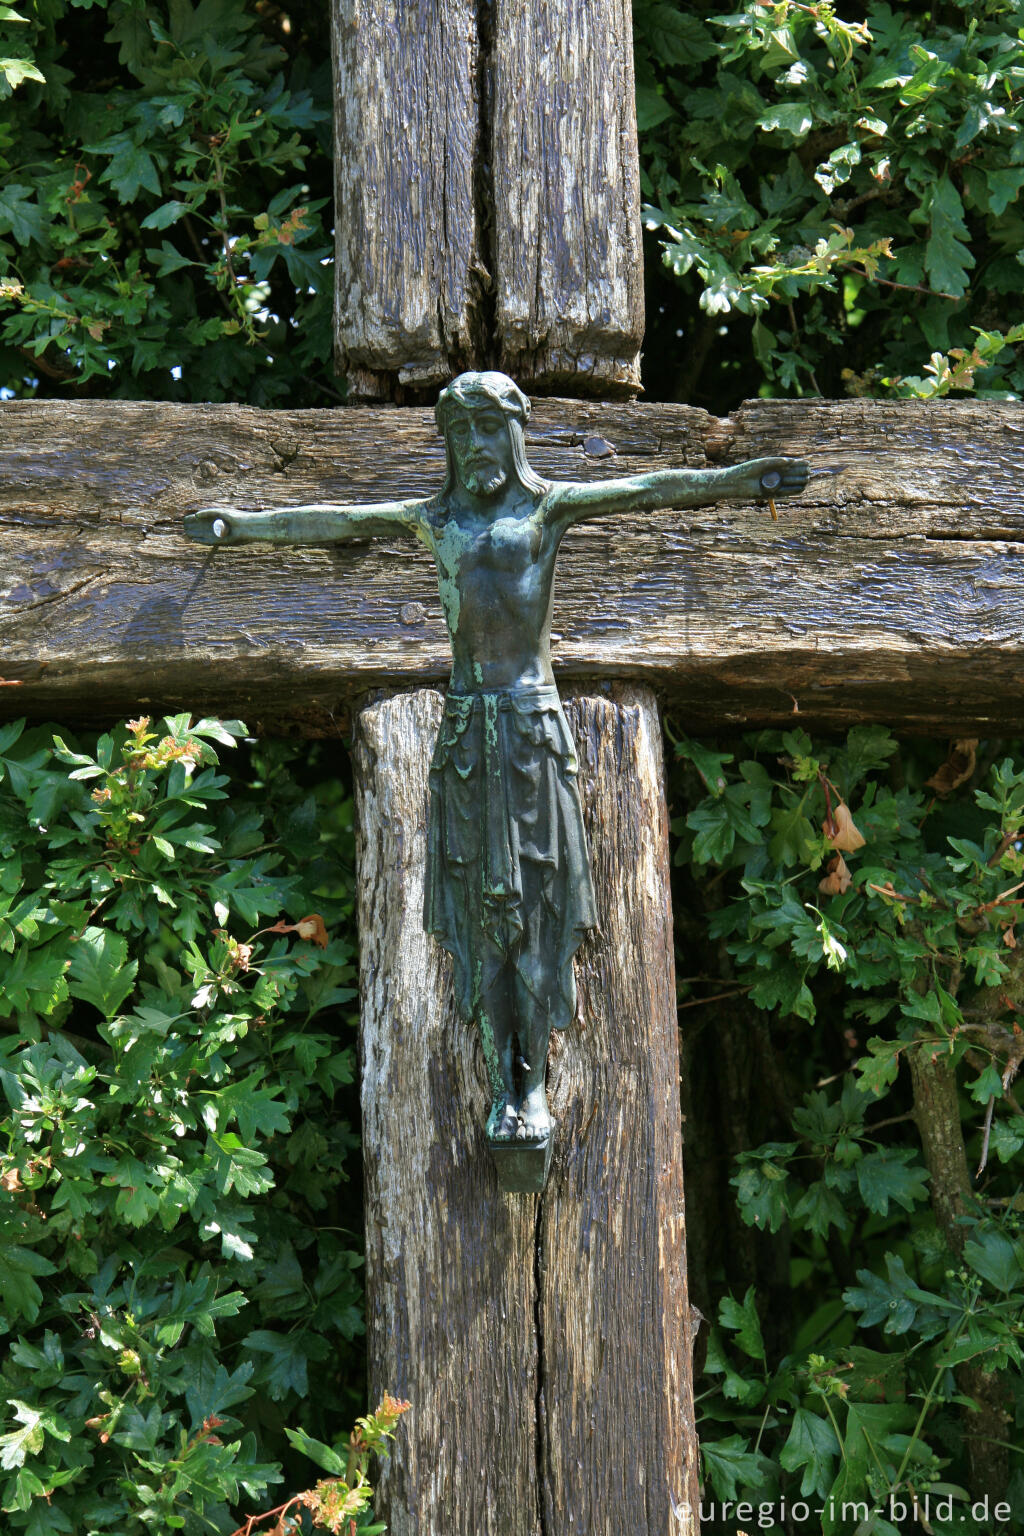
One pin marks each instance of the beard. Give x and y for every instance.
(486, 480)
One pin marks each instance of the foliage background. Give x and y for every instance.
(833, 193)
(853, 1175)
(832, 205)
(179, 1238)
(165, 198)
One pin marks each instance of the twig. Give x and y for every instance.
(877, 1125)
(986, 1133)
(885, 282)
(894, 895)
(252, 1521)
(998, 900)
(1006, 841)
(699, 1002)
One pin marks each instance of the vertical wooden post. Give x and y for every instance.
(487, 204)
(567, 254)
(543, 1341)
(405, 202)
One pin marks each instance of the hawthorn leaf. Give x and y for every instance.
(947, 259)
(100, 972)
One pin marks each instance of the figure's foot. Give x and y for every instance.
(535, 1123)
(502, 1122)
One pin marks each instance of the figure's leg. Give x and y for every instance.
(534, 1115)
(496, 1021)
(536, 991)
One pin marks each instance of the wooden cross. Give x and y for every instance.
(545, 1343)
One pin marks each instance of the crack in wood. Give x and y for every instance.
(540, 1447)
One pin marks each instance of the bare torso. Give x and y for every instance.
(495, 577)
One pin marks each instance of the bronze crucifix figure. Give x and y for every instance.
(508, 888)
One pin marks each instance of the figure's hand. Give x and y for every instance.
(213, 525)
(770, 479)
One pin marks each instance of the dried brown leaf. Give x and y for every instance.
(837, 877)
(314, 928)
(957, 768)
(842, 833)
(311, 928)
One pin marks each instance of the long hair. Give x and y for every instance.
(472, 390)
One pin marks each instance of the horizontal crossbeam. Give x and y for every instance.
(890, 590)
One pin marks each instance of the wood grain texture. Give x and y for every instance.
(567, 254)
(406, 152)
(542, 1341)
(487, 194)
(450, 1260)
(889, 591)
(619, 1442)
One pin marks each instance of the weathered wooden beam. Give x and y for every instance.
(567, 254)
(405, 201)
(543, 1341)
(889, 591)
(487, 197)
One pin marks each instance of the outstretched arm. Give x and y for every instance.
(755, 480)
(319, 524)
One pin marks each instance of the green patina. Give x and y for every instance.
(508, 889)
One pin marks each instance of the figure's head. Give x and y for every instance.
(482, 416)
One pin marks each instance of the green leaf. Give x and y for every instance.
(131, 169)
(731, 1464)
(317, 1452)
(708, 763)
(838, 168)
(792, 117)
(880, 1068)
(735, 1387)
(19, 1292)
(947, 259)
(895, 1302)
(1005, 1141)
(166, 215)
(100, 971)
(716, 834)
(1004, 187)
(742, 1319)
(794, 840)
(20, 213)
(820, 1208)
(675, 36)
(652, 108)
(27, 1441)
(988, 1085)
(812, 1445)
(996, 1259)
(891, 1175)
(284, 1369)
(16, 71)
(762, 1185)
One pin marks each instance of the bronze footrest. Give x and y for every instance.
(522, 1166)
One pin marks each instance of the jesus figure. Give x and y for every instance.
(508, 887)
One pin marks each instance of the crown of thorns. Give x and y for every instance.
(476, 389)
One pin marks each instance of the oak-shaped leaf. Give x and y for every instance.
(100, 972)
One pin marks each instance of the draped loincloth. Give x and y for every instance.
(508, 873)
